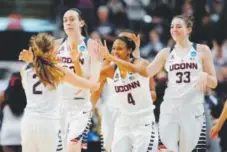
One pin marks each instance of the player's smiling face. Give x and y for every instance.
(120, 50)
(178, 29)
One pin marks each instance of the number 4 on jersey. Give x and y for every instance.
(130, 99)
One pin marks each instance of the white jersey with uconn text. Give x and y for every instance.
(134, 129)
(182, 108)
(183, 73)
(75, 97)
(40, 100)
(133, 93)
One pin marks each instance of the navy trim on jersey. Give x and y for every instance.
(64, 39)
(194, 45)
(115, 67)
(133, 60)
(29, 66)
(79, 98)
(85, 40)
(171, 49)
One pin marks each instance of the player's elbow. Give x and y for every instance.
(142, 71)
(214, 84)
(153, 96)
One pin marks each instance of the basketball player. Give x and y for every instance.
(215, 129)
(136, 40)
(110, 111)
(134, 129)
(190, 70)
(40, 125)
(13, 103)
(78, 105)
(76, 102)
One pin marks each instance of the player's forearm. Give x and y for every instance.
(223, 116)
(153, 95)
(78, 68)
(2, 97)
(95, 97)
(152, 70)
(212, 81)
(95, 70)
(136, 53)
(125, 64)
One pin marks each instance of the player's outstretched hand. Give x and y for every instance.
(26, 55)
(214, 132)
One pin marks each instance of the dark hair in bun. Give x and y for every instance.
(189, 20)
(129, 42)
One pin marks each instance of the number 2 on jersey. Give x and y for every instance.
(130, 99)
(34, 88)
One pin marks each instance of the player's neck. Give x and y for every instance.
(122, 68)
(78, 38)
(184, 43)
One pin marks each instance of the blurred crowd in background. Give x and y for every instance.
(149, 18)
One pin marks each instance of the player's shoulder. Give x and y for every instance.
(25, 68)
(88, 41)
(165, 52)
(203, 50)
(141, 60)
(58, 41)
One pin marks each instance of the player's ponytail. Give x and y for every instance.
(45, 60)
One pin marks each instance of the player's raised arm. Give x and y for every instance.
(136, 39)
(78, 81)
(75, 55)
(158, 63)
(96, 62)
(138, 67)
(95, 95)
(152, 89)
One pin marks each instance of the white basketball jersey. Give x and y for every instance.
(109, 95)
(75, 97)
(41, 101)
(133, 93)
(183, 73)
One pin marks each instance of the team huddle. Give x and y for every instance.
(63, 80)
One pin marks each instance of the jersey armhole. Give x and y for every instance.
(133, 60)
(64, 39)
(115, 67)
(194, 45)
(23, 72)
(86, 40)
(171, 49)
(28, 66)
